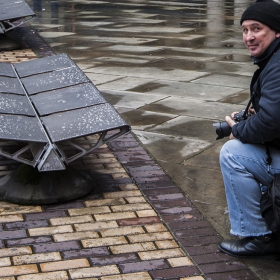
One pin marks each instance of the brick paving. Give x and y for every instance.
(136, 224)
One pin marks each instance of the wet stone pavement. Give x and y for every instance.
(158, 210)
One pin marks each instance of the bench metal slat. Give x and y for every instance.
(21, 128)
(82, 122)
(11, 9)
(15, 104)
(69, 98)
(54, 80)
(43, 65)
(10, 85)
(6, 70)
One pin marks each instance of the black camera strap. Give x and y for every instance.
(248, 106)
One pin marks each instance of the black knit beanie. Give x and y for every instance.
(264, 11)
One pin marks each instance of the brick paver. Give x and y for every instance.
(103, 235)
(136, 224)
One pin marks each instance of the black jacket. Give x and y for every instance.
(264, 127)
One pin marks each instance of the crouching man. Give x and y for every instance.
(251, 157)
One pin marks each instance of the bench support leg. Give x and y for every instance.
(7, 43)
(27, 186)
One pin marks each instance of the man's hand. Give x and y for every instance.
(251, 111)
(231, 123)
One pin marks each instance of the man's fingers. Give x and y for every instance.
(229, 121)
(232, 115)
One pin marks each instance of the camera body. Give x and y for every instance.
(238, 117)
(223, 129)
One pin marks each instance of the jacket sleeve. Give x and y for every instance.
(265, 125)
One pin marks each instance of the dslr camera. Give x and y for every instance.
(223, 129)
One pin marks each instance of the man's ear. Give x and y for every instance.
(277, 35)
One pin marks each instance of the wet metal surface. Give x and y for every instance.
(21, 128)
(15, 104)
(85, 121)
(58, 103)
(171, 68)
(11, 85)
(14, 13)
(44, 65)
(56, 79)
(77, 96)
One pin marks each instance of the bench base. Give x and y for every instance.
(27, 186)
(8, 44)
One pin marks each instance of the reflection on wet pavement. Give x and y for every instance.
(171, 68)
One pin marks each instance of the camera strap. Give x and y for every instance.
(248, 105)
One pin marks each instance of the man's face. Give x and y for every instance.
(257, 36)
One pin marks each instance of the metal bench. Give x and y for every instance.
(48, 107)
(14, 13)
(50, 115)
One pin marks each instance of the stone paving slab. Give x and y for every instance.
(127, 99)
(177, 148)
(192, 90)
(192, 107)
(124, 84)
(148, 72)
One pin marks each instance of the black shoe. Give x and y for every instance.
(264, 247)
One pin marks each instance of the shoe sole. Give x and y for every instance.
(265, 257)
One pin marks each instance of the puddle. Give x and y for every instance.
(147, 87)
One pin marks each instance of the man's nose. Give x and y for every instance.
(250, 36)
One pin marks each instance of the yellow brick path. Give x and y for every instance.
(94, 225)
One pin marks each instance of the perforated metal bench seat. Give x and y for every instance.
(14, 13)
(52, 114)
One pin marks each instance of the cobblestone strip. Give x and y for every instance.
(112, 234)
(196, 236)
(17, 56)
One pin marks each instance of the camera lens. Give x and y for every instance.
(222, 129)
